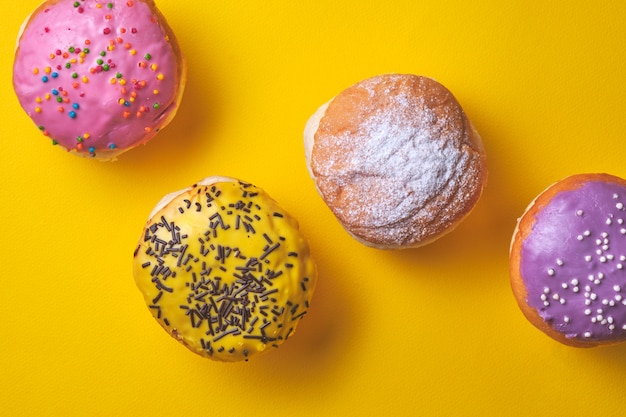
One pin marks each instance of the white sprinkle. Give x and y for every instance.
(566, 319)
(587, 302)
(593, 296)
(612, 303)
(622, 231)
(546, 303)
(562, 301)
(579, 213)
(599, 317)
(620, 221)
(587, 233)
(551, 272)
(587, 312)
(604, 234)
(559, 262)
(594, 319)
(587, 334)
(619, 206)
(600, 275)
(609, 257)
(544, 297)
(555, 296)
(588, 258)
(603, 259)
(605, 302)
(618, 297)
(546, 290)
(615, 196)
(622, 257)
(579, 237)
(609, 319)
(564, 285)
(575, 289)
(619, 266)
(611, 327)
(609, 221)
(574, 281)
(605, 247)
(587, 287)
(617, 288)
(600, 311)
(598, 242)
(624, 327)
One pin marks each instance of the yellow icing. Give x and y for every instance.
(225, 270)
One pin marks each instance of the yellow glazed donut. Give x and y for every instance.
(224, 269)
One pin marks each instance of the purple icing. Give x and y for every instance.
(573, 263)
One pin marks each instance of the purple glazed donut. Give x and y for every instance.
(568, 260)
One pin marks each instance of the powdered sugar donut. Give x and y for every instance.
(396, 160)
(98, 77)
(568, 260)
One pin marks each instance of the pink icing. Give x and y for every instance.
(98, 77)
(573, 263)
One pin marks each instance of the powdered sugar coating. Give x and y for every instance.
(397, 160)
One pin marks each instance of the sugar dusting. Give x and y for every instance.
(400, 155)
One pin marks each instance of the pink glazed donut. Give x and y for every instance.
(98, 77)
(568, 260)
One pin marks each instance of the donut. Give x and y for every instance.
(98, 77)
(396, 160)
(568, 260)
(224, 270)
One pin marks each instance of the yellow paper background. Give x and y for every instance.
(432, 331)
